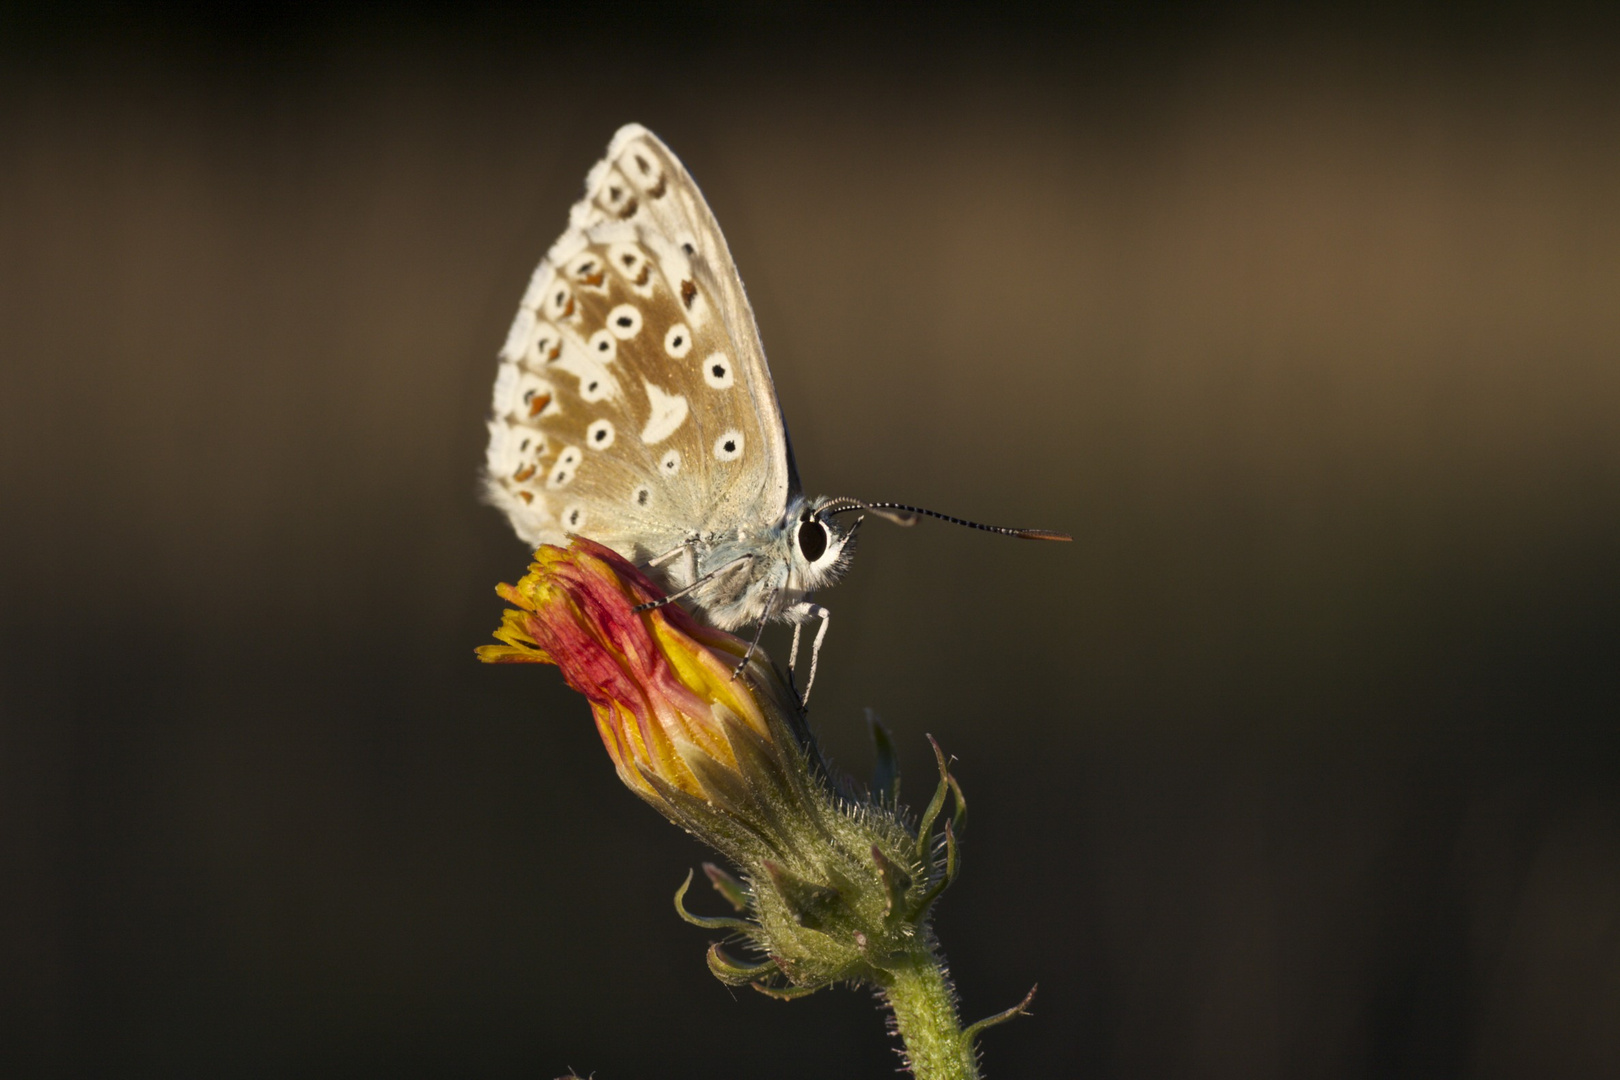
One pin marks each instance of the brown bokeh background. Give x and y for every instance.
(1303, 760)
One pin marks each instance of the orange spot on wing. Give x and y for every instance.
(526, 496)
(538, 402)
(523, 473)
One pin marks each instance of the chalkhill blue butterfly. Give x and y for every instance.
(633, 406)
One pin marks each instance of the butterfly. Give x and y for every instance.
(633, 406)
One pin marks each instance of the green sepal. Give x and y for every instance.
(735, 892)
(886, 763)
(730, 793)
(786, 993)
(925, 827)
(703, 820)
(734, 972)
(809, 904)
(707, 922)
(778, 778)
(947, 875)
(896, 882)
(972, 1031)
(959, 814)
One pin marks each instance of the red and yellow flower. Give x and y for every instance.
(669, 700)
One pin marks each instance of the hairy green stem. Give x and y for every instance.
(925, 1015)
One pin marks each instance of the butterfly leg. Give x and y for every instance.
(688, 559)
(759, 632)
(809, 611)
(704, 580)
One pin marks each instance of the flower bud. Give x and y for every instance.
(680, 714)
(836, 886)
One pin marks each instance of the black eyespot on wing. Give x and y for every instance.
(812, 540)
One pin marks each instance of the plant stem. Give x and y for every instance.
(925, 1015)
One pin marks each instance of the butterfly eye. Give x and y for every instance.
(812, 540)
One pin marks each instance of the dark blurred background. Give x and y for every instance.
(1303, 760)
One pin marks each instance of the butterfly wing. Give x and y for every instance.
(633, 404)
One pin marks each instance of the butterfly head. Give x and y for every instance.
(822, 543)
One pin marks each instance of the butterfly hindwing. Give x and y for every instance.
(633, 404)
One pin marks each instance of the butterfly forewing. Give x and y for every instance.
(633, 404)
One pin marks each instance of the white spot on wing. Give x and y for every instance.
(587, 269)
(603, 347)
(666, 413)
(559, 300)
(616, 195)
(630, 263)
(527, 445)
(547, 345)
(534, 398)
(641, 166)
(563, 469)
(573, 518)
(624, 321)
(717, 372)
(678, 341)
(671, 463)
(595, 381)
(599, 436)
(728, 447)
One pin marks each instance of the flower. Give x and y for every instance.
(679, 719)
(837, 885)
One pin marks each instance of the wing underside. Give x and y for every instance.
(633, 403)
